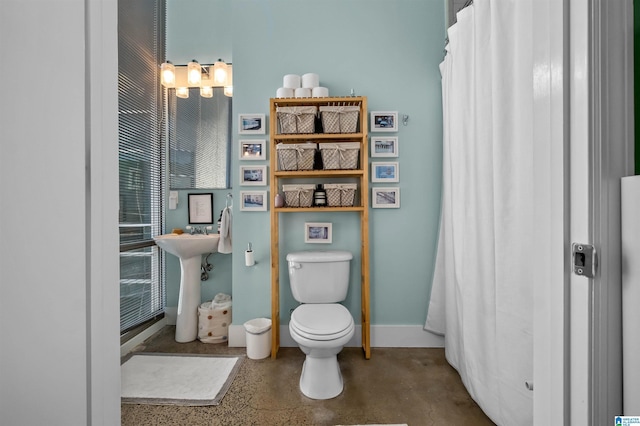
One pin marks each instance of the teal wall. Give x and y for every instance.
(387, 50)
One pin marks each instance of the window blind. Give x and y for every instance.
(140, 52)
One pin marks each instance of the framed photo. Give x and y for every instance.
(253, 175)
(384, 146)
(385, 198)
(317, 233)
(251, 149)
(384, 121)
(251, 124)
(200, 208)
(385, 172)
(253, 201)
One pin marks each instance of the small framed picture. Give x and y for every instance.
(385, 198)
(384, 121)
(200, 208)
(255, 201)
(317, 233)
(251, 124)
(253, 149)
(253, 175)
(384, 146)
(385, 172)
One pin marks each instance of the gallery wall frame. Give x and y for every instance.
(253, 201)
(385, 171)
(385, 198)
(384, 146)
(253, 149)
(253, 175)
(251, 124)
(384, 121)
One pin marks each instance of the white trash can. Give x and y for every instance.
(258, 338)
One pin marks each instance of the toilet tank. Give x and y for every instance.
(319, 276)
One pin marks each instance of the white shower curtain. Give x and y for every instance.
(482, 294)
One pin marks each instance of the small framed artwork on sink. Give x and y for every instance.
(200, 208)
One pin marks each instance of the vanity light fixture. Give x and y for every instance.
(194, 73)
(168, 74)
(205, 77)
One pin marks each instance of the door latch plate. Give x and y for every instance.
(584, 259)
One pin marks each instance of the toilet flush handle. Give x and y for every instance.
(295, 265)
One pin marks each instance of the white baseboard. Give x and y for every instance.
(404, 336)
(128, 346)
(382, 336)
(171, 315)
(237, 337)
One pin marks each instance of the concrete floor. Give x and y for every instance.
(397, 385)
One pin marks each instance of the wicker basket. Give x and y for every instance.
(340, 156)
(296, 156)
(339, 119)
(213, 323)
(301, 119)
(298, 195)
(340, 194)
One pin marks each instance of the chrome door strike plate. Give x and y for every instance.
(585, 261)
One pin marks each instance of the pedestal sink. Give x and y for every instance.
(189, 249)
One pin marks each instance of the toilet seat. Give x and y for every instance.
(321, 321)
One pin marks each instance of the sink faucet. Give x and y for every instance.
(199, 230)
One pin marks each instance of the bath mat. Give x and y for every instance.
(177, 379)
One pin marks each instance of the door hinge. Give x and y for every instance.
(584, 259)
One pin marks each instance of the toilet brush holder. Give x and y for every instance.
(248, 257)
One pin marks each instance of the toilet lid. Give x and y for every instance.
(322, 321)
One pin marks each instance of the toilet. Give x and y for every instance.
(320, 325)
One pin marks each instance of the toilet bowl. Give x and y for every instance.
(320, 325)
(321, 331)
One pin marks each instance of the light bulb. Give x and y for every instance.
(228, 87)
(220, 73)
(206, 91)
(194, 73)
(182, 92)
(168, 74)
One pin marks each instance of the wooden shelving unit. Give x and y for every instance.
(361, 207)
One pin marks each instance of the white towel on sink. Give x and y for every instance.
(224, 244)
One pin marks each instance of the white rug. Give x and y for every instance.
(172, 379)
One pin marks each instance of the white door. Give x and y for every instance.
(551, 215)
(584, 131)
(580, 172)
(601, 153)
